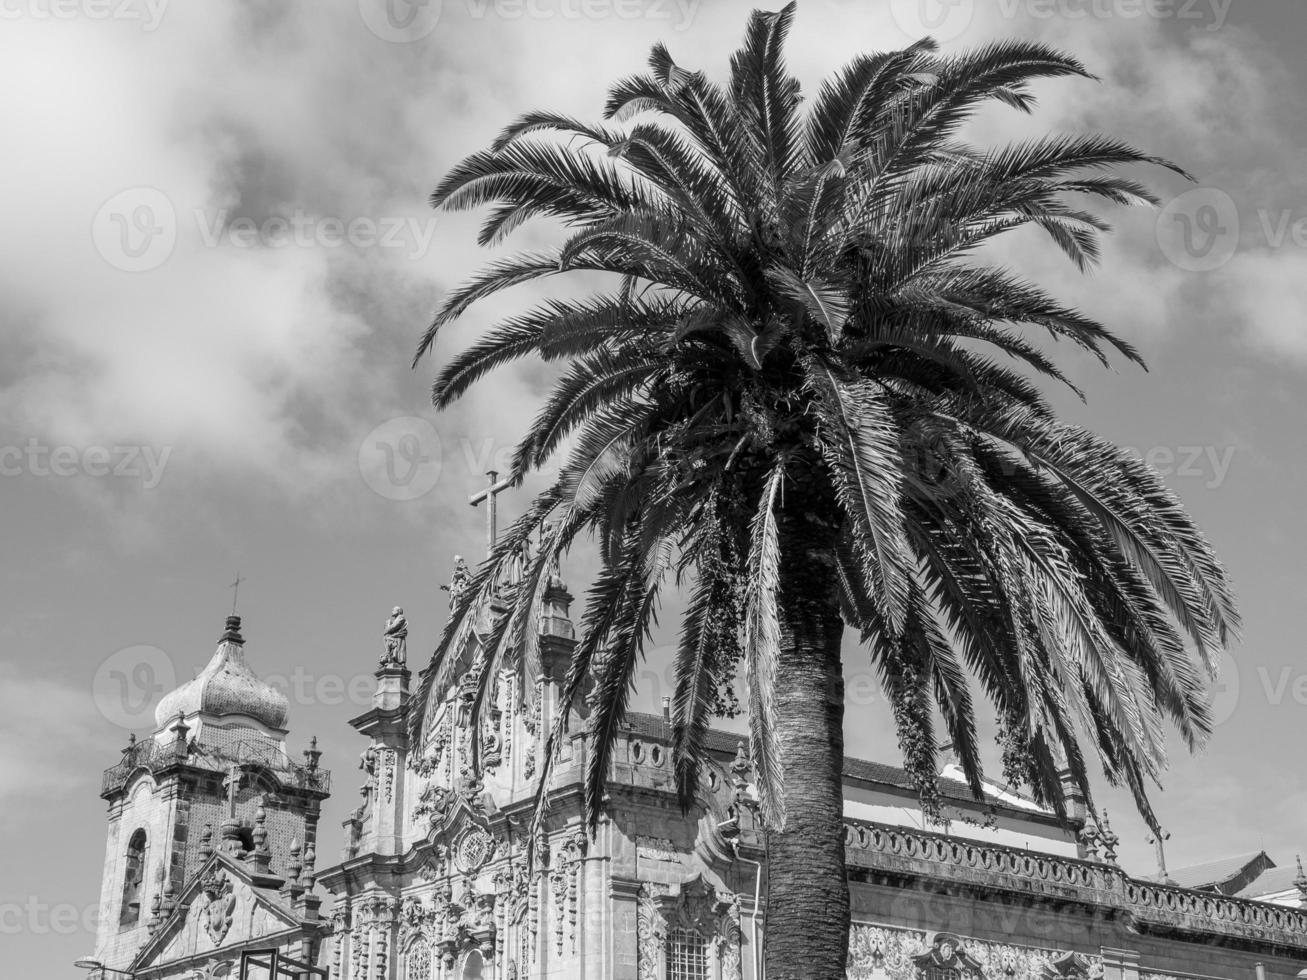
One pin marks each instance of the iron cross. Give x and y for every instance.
(235, 591)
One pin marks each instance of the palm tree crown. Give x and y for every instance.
(796, 355)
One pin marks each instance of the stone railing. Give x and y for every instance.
(148, 754)
(1158, 907)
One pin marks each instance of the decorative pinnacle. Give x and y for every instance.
(1109, 839)
(260, 857)
(1300, 880)
(310, 859)
(312, 754)
(294, 866)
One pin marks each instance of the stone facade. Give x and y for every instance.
(212, 836)
(436, 881)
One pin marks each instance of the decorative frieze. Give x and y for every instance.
(906, 954)
(655, 849)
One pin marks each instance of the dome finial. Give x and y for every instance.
(232, 634)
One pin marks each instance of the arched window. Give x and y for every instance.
(472, 967)
(687, 954)
(418, 965)
(133, 878)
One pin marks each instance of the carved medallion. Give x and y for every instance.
(217, 914)
(473, 850)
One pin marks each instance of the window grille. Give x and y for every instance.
(687, 955)
(419, 961)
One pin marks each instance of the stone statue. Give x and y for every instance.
(521, 560)
(396, 637)
(458, 582)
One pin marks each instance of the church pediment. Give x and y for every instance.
(220, 908)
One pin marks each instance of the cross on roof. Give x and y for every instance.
(235, 591)
(494, 488)
(231, 782)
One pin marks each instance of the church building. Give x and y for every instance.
(212, 866)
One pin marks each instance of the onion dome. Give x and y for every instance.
(226, 687)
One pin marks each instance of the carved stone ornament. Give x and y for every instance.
(217, 970)
(697, 908)
(473, 850)
(217, 913)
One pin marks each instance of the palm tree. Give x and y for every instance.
(784, 394)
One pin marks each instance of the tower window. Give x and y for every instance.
(133, 878)
(687, 955)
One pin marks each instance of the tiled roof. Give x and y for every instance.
(1272, 881)
(1211, 873)
(653, 726)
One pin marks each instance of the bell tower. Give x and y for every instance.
(214, 775)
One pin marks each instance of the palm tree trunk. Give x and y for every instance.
(807, 915)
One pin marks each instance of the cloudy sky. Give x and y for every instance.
(216, 258)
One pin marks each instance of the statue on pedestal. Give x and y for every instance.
(458, 582)
(396, 638)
